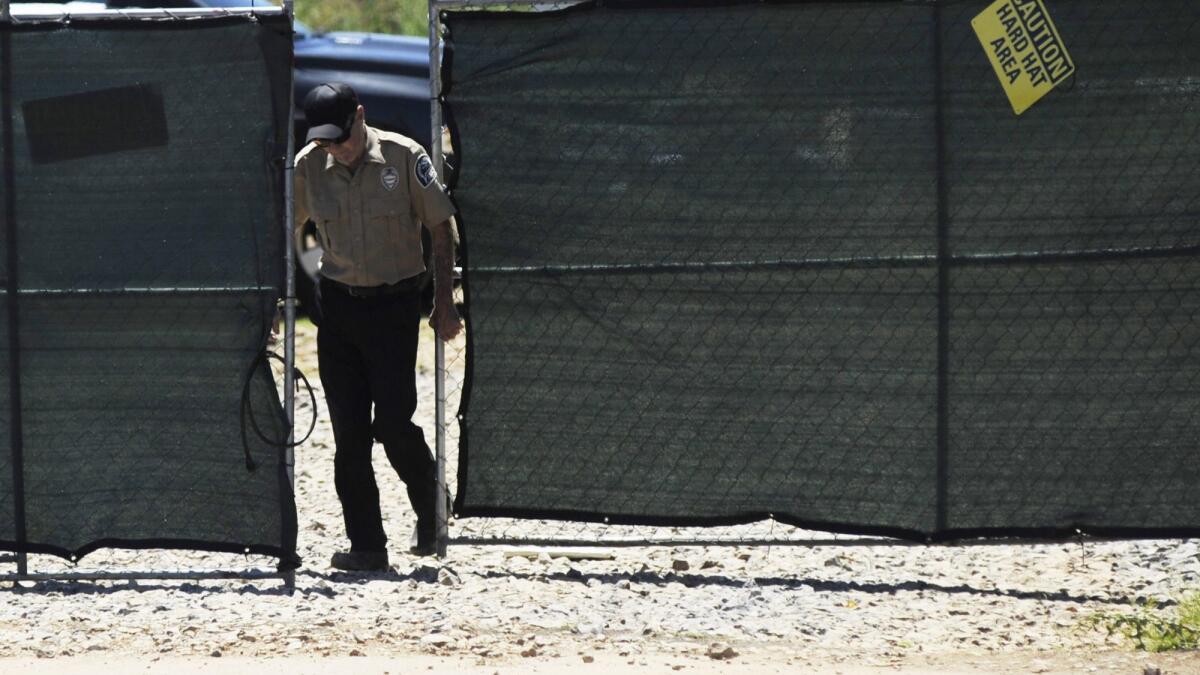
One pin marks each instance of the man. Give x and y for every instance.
(369, 192)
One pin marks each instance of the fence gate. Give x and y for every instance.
(145, 155)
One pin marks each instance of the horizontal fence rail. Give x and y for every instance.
(37, 16)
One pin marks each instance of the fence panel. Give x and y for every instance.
(148, 218)
(1074, 323)
(801, 259)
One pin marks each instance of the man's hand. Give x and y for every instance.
(273, 338)
(444, 321)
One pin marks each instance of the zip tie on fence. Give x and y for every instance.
(248, 411)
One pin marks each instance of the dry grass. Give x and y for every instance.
(403, 17)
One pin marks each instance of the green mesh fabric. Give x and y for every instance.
(143, 195)
(802, 260)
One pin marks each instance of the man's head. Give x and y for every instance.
(335, 121)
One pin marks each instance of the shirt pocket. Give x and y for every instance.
(388, 209)
(326, 213)
(387, 218)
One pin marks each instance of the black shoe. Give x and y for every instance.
(360, 561)
(419, 545)
(423, 550)
(423, 541)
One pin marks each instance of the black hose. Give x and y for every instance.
(248, 411)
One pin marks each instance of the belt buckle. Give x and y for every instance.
(349, 290)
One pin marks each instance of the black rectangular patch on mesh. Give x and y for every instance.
(95, 123)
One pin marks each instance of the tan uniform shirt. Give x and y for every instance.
(369, 222)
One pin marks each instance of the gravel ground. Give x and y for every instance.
(779, 608)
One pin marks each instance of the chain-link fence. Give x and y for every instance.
(142, 256)
(801, 260)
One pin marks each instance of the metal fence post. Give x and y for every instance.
(435, 150)
(289, 300)
(12, 286)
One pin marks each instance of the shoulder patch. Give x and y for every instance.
(424, 171)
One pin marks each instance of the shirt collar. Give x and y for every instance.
(374, 148)
(374, 151)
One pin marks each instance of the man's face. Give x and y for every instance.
(351, 150)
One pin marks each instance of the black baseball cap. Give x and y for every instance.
(329, 109)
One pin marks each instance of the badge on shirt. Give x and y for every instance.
(425, 171)
(390, 177)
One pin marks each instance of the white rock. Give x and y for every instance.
(436, 640)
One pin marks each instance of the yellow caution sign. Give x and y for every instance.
(1024, 48)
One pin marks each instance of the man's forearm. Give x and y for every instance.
(443, 262)
(444, 319)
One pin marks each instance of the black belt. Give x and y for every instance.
(403, 286)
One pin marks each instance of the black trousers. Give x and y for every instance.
(367, 352)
